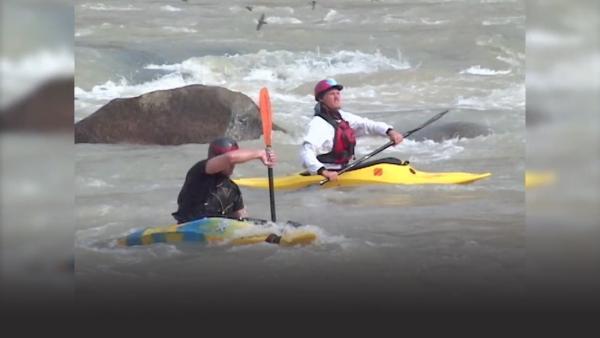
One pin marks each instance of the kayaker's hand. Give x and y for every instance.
(330, 175)
(268, 158)
(395, 136)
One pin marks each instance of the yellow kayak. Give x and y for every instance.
(378, 173)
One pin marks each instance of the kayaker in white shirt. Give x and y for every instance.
(327, 149)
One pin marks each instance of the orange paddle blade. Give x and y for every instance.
(264, 104)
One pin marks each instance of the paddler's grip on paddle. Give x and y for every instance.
(268, 157)
(330, 175)
(394, 136)
(271, 157)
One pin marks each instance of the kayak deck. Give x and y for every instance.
(217, 230)
(380, 173)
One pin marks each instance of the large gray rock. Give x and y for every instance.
(190, 114)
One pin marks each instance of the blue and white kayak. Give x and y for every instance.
(220, 230)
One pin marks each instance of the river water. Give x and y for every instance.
(400, 62)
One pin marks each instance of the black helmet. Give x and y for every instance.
(221, 145)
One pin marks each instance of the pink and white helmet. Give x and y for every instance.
(324, 85)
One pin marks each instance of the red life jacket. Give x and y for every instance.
(344, 141)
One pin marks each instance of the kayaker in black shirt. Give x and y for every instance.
(208, 191)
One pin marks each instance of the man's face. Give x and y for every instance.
(332, 99)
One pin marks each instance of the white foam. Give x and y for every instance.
(179, 29)
(102, 7)
(283, 20)
(512, 97)
(249, 72)
(285, 67)
(332, 14)
(427, 21)
(84, 32)
(111, 90)
(478, 70)
(510, 60)
(510, 56)
(96, 183)
(237, 9)
(391, 19)
(261, 75)
(260, 9)
(502, 21)
(442, 151)
(169, 8)
(426, 151)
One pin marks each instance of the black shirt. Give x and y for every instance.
(204, 195)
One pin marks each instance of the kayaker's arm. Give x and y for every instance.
(225, 161)
(364, 126)
(309, 158)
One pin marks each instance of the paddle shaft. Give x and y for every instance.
(385, 146)
(271, 191)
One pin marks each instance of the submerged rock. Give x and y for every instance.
(451, 130)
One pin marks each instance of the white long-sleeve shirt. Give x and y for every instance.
(319, 138)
